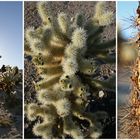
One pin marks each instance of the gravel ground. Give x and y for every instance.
(71, 8)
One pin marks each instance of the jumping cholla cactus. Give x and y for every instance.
(8, 78)
(59, 52)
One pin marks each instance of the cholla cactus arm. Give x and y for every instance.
(79, 20)
(44, 14)
(81, 91)
(79, 38)
(101, 17)
(64, 23)
(68, 82)
(47, 113)
(63, 107)
(70, 128)
(103, 46)
(87, 66)
(48, 83)
(100, 9)
(50, 70)
(104, 84)
(58, 49)
(43, 129)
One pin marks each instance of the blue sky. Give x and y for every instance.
(11, 33)
(125, 10)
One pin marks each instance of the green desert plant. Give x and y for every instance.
(59, 50)
(8, 78)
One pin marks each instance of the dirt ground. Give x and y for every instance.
(71, 8)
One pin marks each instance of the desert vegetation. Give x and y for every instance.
(10, 102)
(68, 55)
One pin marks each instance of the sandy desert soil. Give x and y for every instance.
(11, 114)
(71, 8)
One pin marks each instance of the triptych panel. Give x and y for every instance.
(69, 70)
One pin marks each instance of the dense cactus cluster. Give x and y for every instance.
(59, 49)
(8, 78)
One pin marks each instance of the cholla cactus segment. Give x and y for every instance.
(64, 107)
(79, 38)
(64, 23)
(102, 17)
(100, 8)
(88, 66)
(43, 129)
(70, 66)
(70, 128)
(79, 20)
(30, 34)
(43, 13)
(106, 19)
(59, 55)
